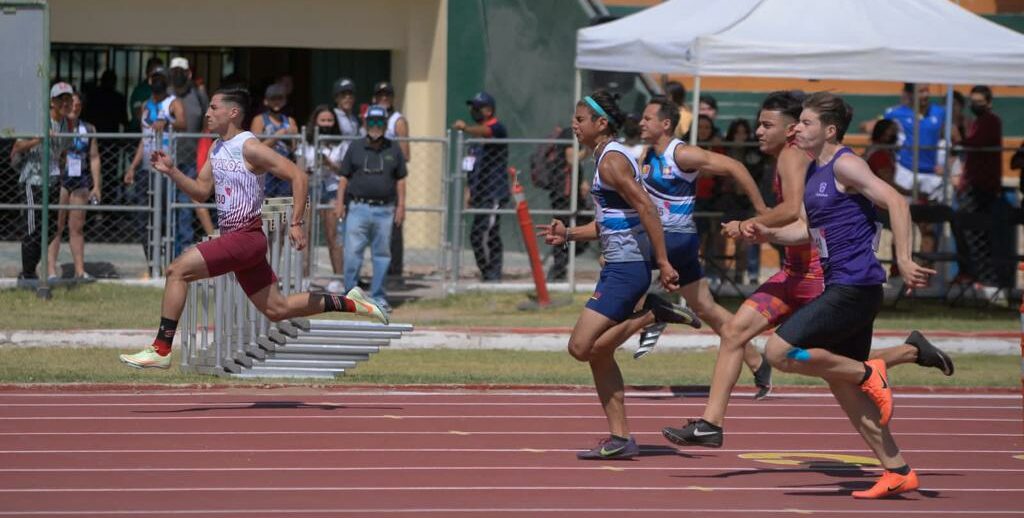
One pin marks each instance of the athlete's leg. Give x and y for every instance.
(813, 362)
(898, 355)
(272, 303)
(864, 416)
(187, 267)
(589, 328)
(698, 296)
(736, 336)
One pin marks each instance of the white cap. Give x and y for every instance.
(60, 89)
(179, 62)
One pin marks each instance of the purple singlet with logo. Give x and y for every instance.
(843, 227)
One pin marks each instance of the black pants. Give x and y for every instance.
(976, 245)
(485, 238)
(397, 249)
(32, 226)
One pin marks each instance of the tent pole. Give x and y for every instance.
(695, 110)
(915, 149)
(574, 190)
(947, 170)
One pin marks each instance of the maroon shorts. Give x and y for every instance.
(242, 251)
(783, 294)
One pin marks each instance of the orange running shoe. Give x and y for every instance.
(890, 484)
(877, 388)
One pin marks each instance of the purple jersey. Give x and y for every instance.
(842, 227)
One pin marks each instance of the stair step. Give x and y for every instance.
(327, 349)
(326, 363)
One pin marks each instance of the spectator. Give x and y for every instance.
(551, 170)
(322, 160)
(159, 116)
(194, 102)
(27, 155)
(631, 135)
(486, 166)
(979, 187)
(106, 106)
(708, 137)
(881, 155)
(272, 124)
(743, 148)
(709, 106)
(371, 195)
(1017, 162)
(79, 187)
(140, 94)
(345, 111)
(677, 92)
(398, 127)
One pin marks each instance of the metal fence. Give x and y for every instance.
(460, 227)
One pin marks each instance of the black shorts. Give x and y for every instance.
(840, 321)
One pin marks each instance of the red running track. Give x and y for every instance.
(357, 452)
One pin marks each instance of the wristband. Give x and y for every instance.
(298, 223)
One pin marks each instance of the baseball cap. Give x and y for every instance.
(275, 90)
(481, 99)
(179, 62)
(383, 86)
(158, 71)
(60, 89)
(376, 112)
(344, 85)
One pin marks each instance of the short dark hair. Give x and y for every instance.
(236, 95)
(609, 103)
(787, 102)
(667, 110)
(833, 111)
(735, 125)
(908, 88)
(152, 63)
(880, 128)
(710, 101)
(676, 91)
(983, 90)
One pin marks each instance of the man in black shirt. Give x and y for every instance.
(486, 167)
(371, 195)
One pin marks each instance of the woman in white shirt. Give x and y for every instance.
(322, 161)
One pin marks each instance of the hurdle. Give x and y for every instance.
(223, 334)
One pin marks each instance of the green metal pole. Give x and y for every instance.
(43, 289)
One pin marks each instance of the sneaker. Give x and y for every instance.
(877, 388)
(665, 311)
(335, 286)
(85, 278)
(147, 358)
(890, 484)
(696, 432)
(366, 306)
(928, 355)
(611, 448)
(648, 339)
(763, 379)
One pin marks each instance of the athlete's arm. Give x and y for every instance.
(854, 176)
(178, 115)
(402, 130)
(199, 189)
(690, 158)
(556, 233)
(792, 170)
(616, 171)
(263, 158)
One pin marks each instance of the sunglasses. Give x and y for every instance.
(376, 122)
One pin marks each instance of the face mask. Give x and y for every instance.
(476, 114)
(179, 80)
(159, 85)
(324, 128)
(978, 109)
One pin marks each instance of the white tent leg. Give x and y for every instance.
(574, 191)
(695, 109)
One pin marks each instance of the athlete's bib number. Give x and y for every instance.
(74, 166)
(223, 198)
(818, 237)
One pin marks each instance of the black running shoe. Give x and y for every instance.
(696, 432)
(648, 339)
(930, 356)
(763, 379)
(665, 311)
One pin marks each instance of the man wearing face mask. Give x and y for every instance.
(398, 127)
(486, 168)
(979, 187)
(161, 114)
(194, 103)
(371, 198)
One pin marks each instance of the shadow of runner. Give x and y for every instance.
(260, 405)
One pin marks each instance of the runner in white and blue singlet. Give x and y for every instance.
(830, 337)
(627, 224)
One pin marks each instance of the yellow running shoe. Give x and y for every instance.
(147, 358)
(366, 306)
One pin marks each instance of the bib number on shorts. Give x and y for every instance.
(818, 237)
(74, 166)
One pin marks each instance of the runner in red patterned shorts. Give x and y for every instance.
(800, 281)
(235, 172)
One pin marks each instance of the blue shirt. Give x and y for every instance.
(930, 135)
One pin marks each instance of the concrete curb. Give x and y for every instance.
(544, 339)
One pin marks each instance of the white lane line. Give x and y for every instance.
(920, 470)
(462, 432)
(456, 416)
(486, 511)
(503, 393)
(523, 449)
(331, 405)
(350, 489)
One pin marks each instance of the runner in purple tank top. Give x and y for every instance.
(831, 336)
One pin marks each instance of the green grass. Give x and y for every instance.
(110, 306)
(450, 366)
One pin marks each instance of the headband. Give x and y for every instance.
(596, 107)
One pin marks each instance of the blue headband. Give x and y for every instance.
(596, 107)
